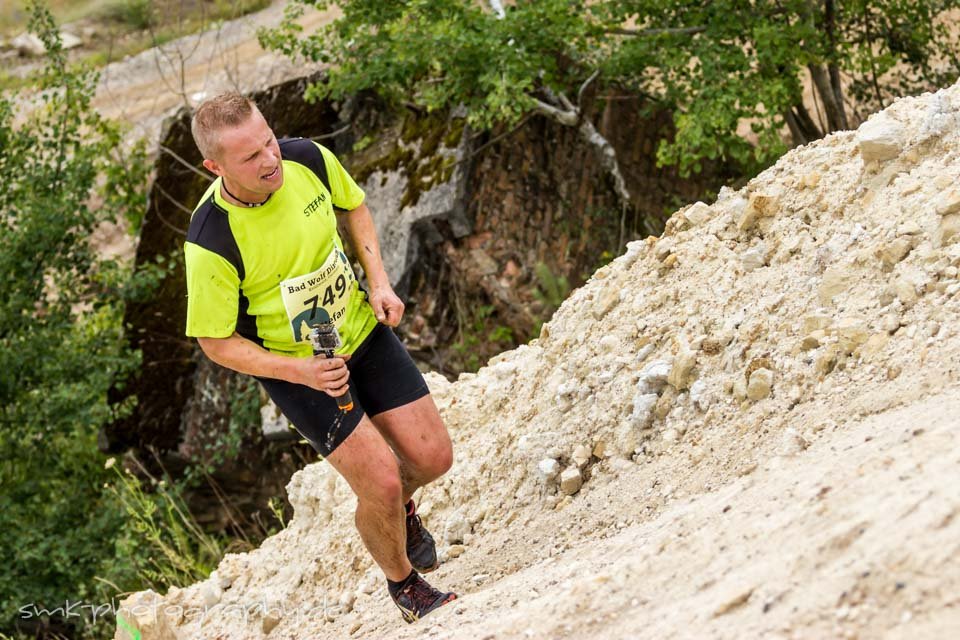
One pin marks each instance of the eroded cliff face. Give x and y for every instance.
(743, 428)
(463, 225)
(541, 211)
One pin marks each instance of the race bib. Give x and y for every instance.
(320, 296)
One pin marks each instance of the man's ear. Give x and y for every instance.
(212, 167)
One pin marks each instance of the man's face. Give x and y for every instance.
(249, 158)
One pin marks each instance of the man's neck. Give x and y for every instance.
(237, 196)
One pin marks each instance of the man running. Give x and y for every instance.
(264, 263)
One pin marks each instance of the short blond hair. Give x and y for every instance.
(225, 110)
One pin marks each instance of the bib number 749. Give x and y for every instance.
(320, 296)
(328, 295)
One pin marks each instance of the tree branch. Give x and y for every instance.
(608, 160)
(332, 134)
(583, 87)
(673, 31)
(810, 129)
(570, 116)
(560, 99)
(836, 119)
(173, 154)
(494, 140)
(164, 221)
(873, 60)
(796, 131)
(837, 85)
(834, 73)
(565, 117)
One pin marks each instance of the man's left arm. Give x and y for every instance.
(387, 307)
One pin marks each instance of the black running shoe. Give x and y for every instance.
(418, 598)
(421, 549)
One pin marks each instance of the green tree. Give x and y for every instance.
(536, 57)
(714, 64)
(66, 172)
(721, 63)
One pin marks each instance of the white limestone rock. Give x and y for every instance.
(653, 377)
(571, 481)
(760, 384)
(581, 456)
(549, 469)
(880, 138)
(456, 528)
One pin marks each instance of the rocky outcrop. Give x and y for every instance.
(415, 172)
(542, 211)
(759, 401)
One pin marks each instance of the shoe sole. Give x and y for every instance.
(422, 570)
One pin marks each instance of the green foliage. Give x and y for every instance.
(551, 290)
(136, 14)
(748, 62)
(363, 143)
(276, 508)
(477, 337)
(719, 66)
(66, 171)
(439, 53)
(172, 549)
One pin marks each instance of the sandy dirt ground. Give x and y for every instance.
(819, 544)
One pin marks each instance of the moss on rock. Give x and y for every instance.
(418, 146)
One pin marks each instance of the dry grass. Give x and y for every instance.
(129, 14)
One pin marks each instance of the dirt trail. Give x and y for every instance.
(145, 88)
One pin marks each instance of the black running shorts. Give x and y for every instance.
(382, 377)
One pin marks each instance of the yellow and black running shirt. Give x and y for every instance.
(270, 272)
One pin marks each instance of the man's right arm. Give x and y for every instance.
(212, 301)
(329, 375)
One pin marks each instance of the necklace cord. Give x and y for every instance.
(223, 183)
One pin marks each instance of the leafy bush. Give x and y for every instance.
(480, 337)
(137, 14)
(66, 172)
(175, 550)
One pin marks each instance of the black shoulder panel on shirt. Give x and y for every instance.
(246, 323)
(210, 228)
(304, 151)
